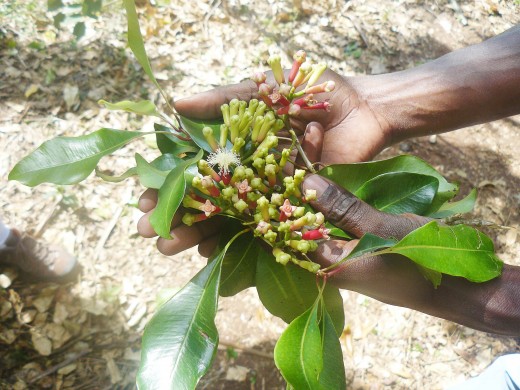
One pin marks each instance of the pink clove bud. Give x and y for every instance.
(327, 86)
(304, 101)
(258, 77)
(277, 98)
(319, 106)
(316, 234)
(299, 58)
(264, 91)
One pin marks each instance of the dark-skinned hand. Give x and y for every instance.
(492, 306)
(350, 133)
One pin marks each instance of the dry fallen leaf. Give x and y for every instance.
(70, 95)
(41, 343)
(8, 336)
(237, 373)
(113, 370)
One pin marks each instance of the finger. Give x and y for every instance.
(356, 217)
(206, 105)
(147, 200)
(207, 246)
(312, 143)
(185, 237)
(391, 278)
(145, 229)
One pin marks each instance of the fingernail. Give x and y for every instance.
(315, 182)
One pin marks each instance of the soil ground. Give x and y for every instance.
(86, 334)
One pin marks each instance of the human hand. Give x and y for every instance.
(493, 306)
(205, 233)
(353, 132)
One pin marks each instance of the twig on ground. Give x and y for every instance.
(64, 363)
(223, 345)
(108, 230)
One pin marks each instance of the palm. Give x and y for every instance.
(352, 132)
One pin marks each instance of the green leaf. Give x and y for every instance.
(53, 5)
(79, 30)
(353, 176)
(91, 7)
(69, 160)
(239, 265)
(298, 352)
(168, 143)
(287, 291)
(142, 107)
(431, 275)
(136, 43)
(333, 374)
(401, 192)
(337, 232)
(58, 19)
(170, 197)
(369, 243)
(194, 128)
(153, 175)
(116, 179)
(181, 339)
(462, 206)
(454, 250)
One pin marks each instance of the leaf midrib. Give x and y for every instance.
(301, 348)
(189, 329)
(438, 247)
(100, 154)
(240, 262)
(404, 197)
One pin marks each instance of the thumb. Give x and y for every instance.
(206, 105)
(346, 211)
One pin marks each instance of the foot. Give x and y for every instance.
(38, 260)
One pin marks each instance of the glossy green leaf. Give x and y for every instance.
(69, 160)
(333, 374)
(454, 250)
(195, 126)
(181, 339)
(462, 206)
(433, 276)
(298, 353)
(136, 43)
(401, 192)
(190, 172)
(353, 176)
(168, 143)
(116, 179)
(153, 175)
(287, 291)
(369, 243)
(142, 107)
(170, 197)
(337, 232)
(239, 265)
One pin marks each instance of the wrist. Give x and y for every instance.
(473, 85)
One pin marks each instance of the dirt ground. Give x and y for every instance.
(86, 334)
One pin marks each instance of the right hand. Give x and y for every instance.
(493, 306)
(353, 131)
